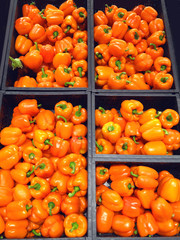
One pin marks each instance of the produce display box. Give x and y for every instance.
(159, 165)
(9, 100)
(160, 6)
(114, 100)
(10, 76)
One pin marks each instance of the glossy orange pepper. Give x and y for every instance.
(104, 218)
(22, 44)
(79, 130)
(146, 196)
(133, 36)
(117, 64)
(43, 139)
(155, 52)
(129, 68)
(31, 154)
(12, 135)
(6, 196)
(37, 34)
(148, 115)
(104, 147)
(83, 204)
(132, 207)
(25, 81)
(125, 145)
(53, 226)
(154, 148)
(63, 74)
(118, 171)
(167, 227)
(111, 131)
(144, 28)
(110, 11)
(146, 225)
(120, 120)
(64, 109)
(75, 225)
(64, 45)
(19, 210)
(54, 17)
(132, 129)
(61, 59)
(102, 116)
(124, 186)
(156, 25)
(59, 181)
(163, 80)
(123, 225)
(102, 34)
(143, 62)
(120, 14)
(29, 106)
(176, 210)
(77, 82)
(149, 14)
(79, 14)
(45, 76)
(6, 179)
(52, 203)
(54, 33)
(162, 64)
(33, 59)
(102, 175)
(80, 37)
(79, 115)
(23, 25)
(172, 140)
(161, 209)
(9, 157)
(142, 46)
(23, 122)
(158, 38)
(102, 75)
(44, 168)
(70, 205)
(112, 200)
(100, 18)
(117, 80)
(102, 55)
(69, 25)
(45, 120)
(79, 68)
(39, 188)
(26, 8)
(21, 192)
(117, 47)
(80, 51)
(63, 128)
(16, 229)
(169, 118)
(133, 20)
(130, 51)
(78, 145)
(37, 16)
(99, 190)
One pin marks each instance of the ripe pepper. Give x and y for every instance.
(19, 210)
(129, 68)
(22, 44)
(37, 33)
(42, 139)
(131, 109)
(83, 204)
(33, 230)
(31, 154)
(124, 186)
(133, 20)
(75, 225)
(162, 64)
(104, 147)
(120, 14)
(155, 52)
(63, 74)
(79, 68)
(119, 29)
(64, 45)
(79, 14)
(79, 115)
(132, 207)
(125, 145)
(117, 171)
(12, 135)
(6, 179)
(111, 131)
(169, 118)
(143, 62)
(26, 8)
(146, 196)
(63, 128)
(172, 140)
(154, 122)
(99, 190)
(59, 181)
(102, 75)
(80, 51)
(16, 229)
(142, 46)
(169, 189)
(53, 226)
(167, 227)
(23, 25)
(22, 172)
(61, 59)
(102, 34)
(2, 225)
(102, 116)
(117, 80)
(79, 37)
(24, 122)
(156, 25)
(123, 225)
(143, 29)
(100, 18)
(77, 185)
(110, 11)
(136, 82)
(102, 175)
(52, 203)
(130, 51)
(64, 109)
(44, 168)
(79, 130)
(133, 36)
(59, 147)
(6, 196)
(117, 64)
(117, 47)
(112, 200)
(163, 174)
(33, 59)
(71, 164)
(69, 25)
(39, 188)
(146, 225)
(54, 33)
(29, 106)
(54, 17)
(102, 55)
(149, 14)
(104, 218)
(154, 148)
(21, 192)
(37, 16)
(67, 7)
(77, 82)
(45, 76)
(132, 129)
(70, 205)
(45, 120)
(158, 38)
(9, 156)
(176, 211)
(163, 80)
(144, 177)
(120, 120)
(78, 145)
(25, 81)
(161, 209)
(148, 115)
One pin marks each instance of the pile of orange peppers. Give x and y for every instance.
(129, 53)
(138, 201)
(53, 43)
(43, 176)
(135, 131)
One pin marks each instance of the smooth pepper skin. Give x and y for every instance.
(123, 225)
(16, 229)
(102, 175)
(112, 200)
(104, 218)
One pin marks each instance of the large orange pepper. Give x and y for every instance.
(146, 196)
(19, 210)
(45, 120)
(143, 29)
(123, 225)
(61, 59)
(119, 29)
(176, 211)
(78, 145)
(63, 74)
(102, 34)
(54, 33)
(172, 139)
(79, 68)
(64, 45)
(102, 116)
(154, 51)
(26, 8)
(69, 25)
(158, 38)
(77, 82)
(64, 128)
(37, 33)
(21, 192)
(100, 18)
(102, 75)
(16, 229)
(117, 80)
(169, 118)
(70, 205)
(59, 181)
(25, 81)
(80, 37)
(37, 16)
(38, 214)
(31, 154)
(148, 115)
(104, 147)
(23, 25)
(132, 207)
(154, 148)
(52, 203)
(117, 64)
(133, 36)
(6, 196)
(156, 25)
(45, 76)
(111, 131)
(120, 14)
(29, 106)
(22, 44)
(75, 225)
(149, 14)
(132, 129)
(133, 20)
(80, 51)
(23, 122)
(67, 7)
(54, 17)
(117, 47)
(39, 188)
(163, 80)
(102, 175)
(104, 218)
(136, 82)
(64, 109)
(12, 135)
(102, 55)
(79, 130)
(99, 190)
(44, 168)
(120, 120)
(53, 226)
(142, 46)
(80, 15)
(6, 179)
(143, 62)
(125, 145)
(112, 200)
(117, 171)
(110, 11)
(79, 115)
(167, 228)
(124, 186)
(162, 64)
(42, 139)
(33, 59)
(59, 147)
(9, 156)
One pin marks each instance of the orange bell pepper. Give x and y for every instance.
(154, 148)
(54, 17)
(169, 118)
(79, 14)
(59, 181)
(133, 36)
(21, 192)
(120, 14)
(102, 175)
(100, 18)
(53, 226)
(64, 129)
(102, 75)
(119, 29)
(117, 64)
(70, 205)
(110, 11)
(132, 129)
(33, 59)
(83, 204)
(125, 145)
(37, 34)
(64, 109)
(102, 55)
(25, 82)
(132, 207)
(23, 25)
(6, 196)
(37, 16)
(79, 68)
(102, 116)
(39, 188)
(29, 106)
(45, 120)
(9, 156)
(45, 76)
(117, 171)
(22, 44)
(148, 115)
(6, 179)
(67, 7)
(158, 38)
(59, 147)
(143, 62)
(146, 225)
(123, 225)
(52, 203)
(80, 51)
(77, 82)
(61, 59)
(79, 130)
(63, 74)
(146, 196)
(155, 52)
(104, 147)
(75, 225)
(79, 37)
(69, 25)
(117, 47)
(111, 131)
(16, 229)
(64, 45)
(42, 139)
(24, 122)
(172, 140)
(102, 34)
(78, 145)
(133, 20)
(156, 25)
(19, 210)
(167, 228)
(163, 80)
(144, 28)
(31, 154)
(112, 200)
(149, 14)
(162, 64)
(136, 82)
(12, 135)
(104, 218)
(77, 185)
(79, 115)
(120, 120)
(44, 168)
(124, 186)
(54, 33)
(38, 214)
(99, 190)
(176, 211)
(117, 80)
(26, 8)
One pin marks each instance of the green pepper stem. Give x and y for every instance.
(33, 143)
(163, 67)
(148, 71)
(72, 165)
(80, 40)
(69, 84)
(133, 174)
(135, 232)
(154, 46)
(162, 36)
(41, 166)
(102, 110)
(39, 105)
(16, 63)
(67, 70)
(109, 9)
(55, 34)
(36, 44)
(118, 64)
(32, 3)
(65, 120)
(106, 30)
(28, 207)
(136, 112)
(110, 128)
(102, 171)
(134, 139)
(76, 189)
(35, 233)
(130, 186)
(29, 173)
(41, 14)
(54, 189)
(100, 199)
(51, 205)
(120, 14)
(68, 28)
(136, 35)
(36, 186)
(47, 142)
(78, 113)
(158, 114)
(125, 146)
(169, 117)
(165, 131)
(96, 77)
(62, 106)
(99, 55)
(31, 156)
(82, 15)
(44, 75)
(130, 57)
(80, 69)
(33, 121)
(74, 226)
(100, 147)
